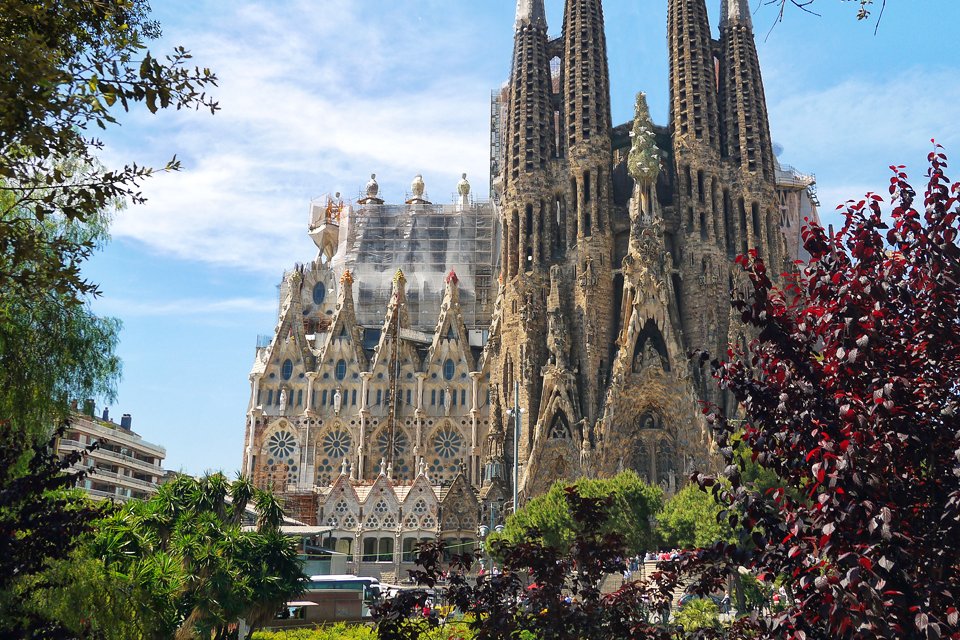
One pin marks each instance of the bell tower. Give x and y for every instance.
(530, 149)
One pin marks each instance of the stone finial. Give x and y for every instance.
(399, 279)
(418, 187)
(390, 471)
(346, 278)
(343, 467)
(373, 188)
(383, 466)
(452, 277)
(463, 194)
(643, 163)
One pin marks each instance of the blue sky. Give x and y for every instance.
(317, 95)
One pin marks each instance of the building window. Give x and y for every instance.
(323, 398)
(319, 293)
(287, 369)
(377, 550)
(408, 397)
(379, 396)
(299, 397)
(433, 397)
(353, 397)
(448, 369)
(410, 549)
(269, 397)
(341, 371)
(463, 397)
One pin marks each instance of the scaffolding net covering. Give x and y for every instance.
(426, 241)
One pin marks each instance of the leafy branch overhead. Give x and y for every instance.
(66, 69)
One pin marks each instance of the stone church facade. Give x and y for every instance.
(379, 405)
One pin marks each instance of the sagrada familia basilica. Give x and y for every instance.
(431, 349)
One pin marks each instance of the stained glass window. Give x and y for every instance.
(448, 369)
(281, 444)
(447, 443)
(341, 371)
(336, 444)
(319, 293)
(287, 369)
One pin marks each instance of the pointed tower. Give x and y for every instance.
(699, 188)
(651, 422)
(586, 131)
(746, 136)
(527, 222)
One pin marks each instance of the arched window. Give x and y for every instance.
(319, 293)
(448, 369)
(341, 371)
(286, 370)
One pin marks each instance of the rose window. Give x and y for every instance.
(401, 469)
(336, 444)
(420, 507)
(381, 508)
(349, 522)
(447, 443)
(390, 522)
(399, 443)
(281, 444)
(341, 507)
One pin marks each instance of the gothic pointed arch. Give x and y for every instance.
(560, 427)
(650, 343)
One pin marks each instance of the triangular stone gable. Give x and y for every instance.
(450, 340)
(398, 319)
(381, 493)
(344, 337)
(459, 506)
(332, 515)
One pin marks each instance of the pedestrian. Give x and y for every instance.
(725, 603)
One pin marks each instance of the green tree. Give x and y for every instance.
(689, 520)
(698, 613)
(194, 559)
(67, 66)
(634, 503)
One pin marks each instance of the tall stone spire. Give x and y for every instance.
(530, 139)
(745, 126)
(586, 78)
(530, 142)
(693, 95)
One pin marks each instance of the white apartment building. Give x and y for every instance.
(124, 466)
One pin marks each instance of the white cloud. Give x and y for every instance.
(310, 103)
(122, 307)
(849, 133)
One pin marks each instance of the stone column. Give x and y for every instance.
(311, 378)
(254, 389)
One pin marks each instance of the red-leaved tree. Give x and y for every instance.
(851, 394)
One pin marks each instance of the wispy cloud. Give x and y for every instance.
(850, 132)
(306, 108)
(184, 307)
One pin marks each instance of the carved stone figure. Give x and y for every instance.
(283, 400)
(337, 401)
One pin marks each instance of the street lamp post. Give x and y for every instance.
(516, 412)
